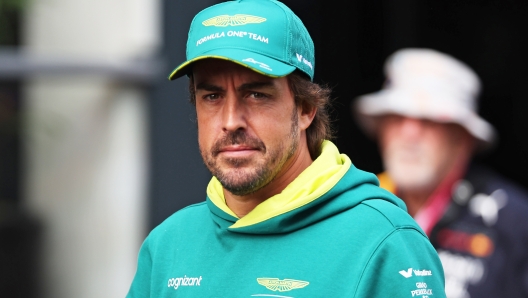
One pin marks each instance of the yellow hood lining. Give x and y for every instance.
(312, 183)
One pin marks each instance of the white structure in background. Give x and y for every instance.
(86, 143)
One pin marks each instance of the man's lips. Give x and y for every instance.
(237, 150)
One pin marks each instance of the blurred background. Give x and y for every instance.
(97, 146)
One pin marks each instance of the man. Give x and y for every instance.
(427, 129)
(286, 215)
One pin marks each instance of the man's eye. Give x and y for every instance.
(258, 95)
(213, 96)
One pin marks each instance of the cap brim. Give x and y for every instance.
(369, 107)
(256, 62)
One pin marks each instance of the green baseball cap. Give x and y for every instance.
(263, 35)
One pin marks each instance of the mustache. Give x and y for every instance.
(238, 137)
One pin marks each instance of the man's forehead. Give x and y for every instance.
(424, 122)
(212, 69)
(402, 117)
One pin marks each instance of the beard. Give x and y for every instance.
(410, 167)
(243, 176)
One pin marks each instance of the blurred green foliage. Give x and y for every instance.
(10, 11)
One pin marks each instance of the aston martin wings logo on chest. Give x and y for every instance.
(236, 20)
(284, 285)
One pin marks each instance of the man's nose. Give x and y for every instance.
(411, 127)
(234, 114)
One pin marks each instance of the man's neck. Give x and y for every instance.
(416, 199)
(242, 205)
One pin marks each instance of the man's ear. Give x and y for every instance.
(306, 116)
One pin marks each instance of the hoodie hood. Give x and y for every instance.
(316, 194)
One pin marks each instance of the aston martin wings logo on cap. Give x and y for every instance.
(236, 20)
(284, 285)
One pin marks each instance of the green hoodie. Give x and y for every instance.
(331, 233)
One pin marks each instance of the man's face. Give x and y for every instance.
(247, 124)
(419, 153)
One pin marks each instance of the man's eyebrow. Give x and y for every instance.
(256, 85)
(247, 86)
(208, 87)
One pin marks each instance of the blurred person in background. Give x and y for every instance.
(427, 128)
(285, 211)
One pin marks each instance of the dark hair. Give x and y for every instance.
(309, 95)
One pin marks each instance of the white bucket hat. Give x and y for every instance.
(423, 83)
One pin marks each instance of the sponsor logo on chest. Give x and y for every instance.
(284, 285)
(184, 281)
(409, 272)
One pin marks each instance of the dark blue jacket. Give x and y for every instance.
(482, 238)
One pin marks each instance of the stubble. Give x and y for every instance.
(242, 176)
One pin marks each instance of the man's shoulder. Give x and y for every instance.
(189, 216)
(386, 214)
(488, 182)
(401, 256)
(499, 203)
